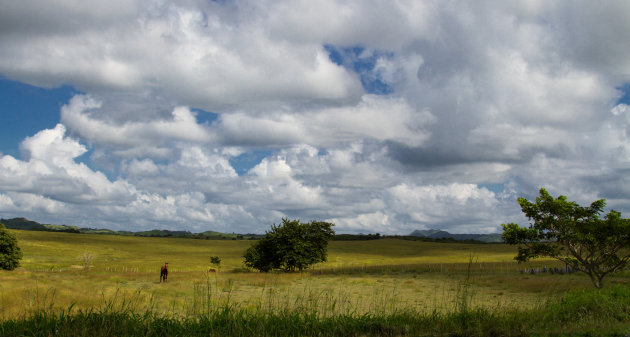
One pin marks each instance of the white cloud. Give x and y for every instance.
(381, 24)
(430, 205)
(365, 222)
(273, 179)
(621, 109)
(141, 168)
(50, 146)
(190, 51)
(520, 94)
(51, 170)
(380, 118)
(17, 204)
(182, 126)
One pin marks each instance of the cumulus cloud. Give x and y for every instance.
(50, 170)
(377, 115)
(205, 55)
(373, 117)
(463, 204)
(181, 126)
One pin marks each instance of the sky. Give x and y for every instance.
(378, 116)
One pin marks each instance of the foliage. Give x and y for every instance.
(215, 260)
(290, 246)
(10, 253)
(573, 234)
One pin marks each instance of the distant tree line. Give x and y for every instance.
(25, 224)
(356, 237)
(377, 236)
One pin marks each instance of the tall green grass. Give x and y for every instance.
(210, 312)
(582, 313)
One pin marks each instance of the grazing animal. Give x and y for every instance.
(164, 272)
(212, 270)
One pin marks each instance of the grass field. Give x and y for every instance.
(363, 276)
(378, 277)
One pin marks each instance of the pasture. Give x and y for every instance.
(377, 277)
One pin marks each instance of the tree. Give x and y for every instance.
(10, 253)
(290, 246)
(575, 235)
(216, 261)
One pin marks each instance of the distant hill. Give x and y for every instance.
(440, 234)
(25, 224)
(22, 223)
(162, 233)
(104, 231)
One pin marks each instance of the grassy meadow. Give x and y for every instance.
(374, 278)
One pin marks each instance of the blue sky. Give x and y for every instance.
(27, 110)
(380, 117)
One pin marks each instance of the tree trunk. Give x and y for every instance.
(597, 280)
(600, 282)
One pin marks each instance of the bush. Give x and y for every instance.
(10, 253)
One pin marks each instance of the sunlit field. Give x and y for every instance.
(380, 276)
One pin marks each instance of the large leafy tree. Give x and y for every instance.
(290, 246)
(573, 234)
(10, 253)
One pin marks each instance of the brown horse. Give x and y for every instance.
(164, 272)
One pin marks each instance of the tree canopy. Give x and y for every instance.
(215, 260)
(10, 253)
(290, 246)
(573, 234)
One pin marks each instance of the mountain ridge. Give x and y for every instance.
(441, 234)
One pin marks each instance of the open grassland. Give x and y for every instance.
(45, 251)
(378, 277)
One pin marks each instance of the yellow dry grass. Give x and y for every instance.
(360, 276)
